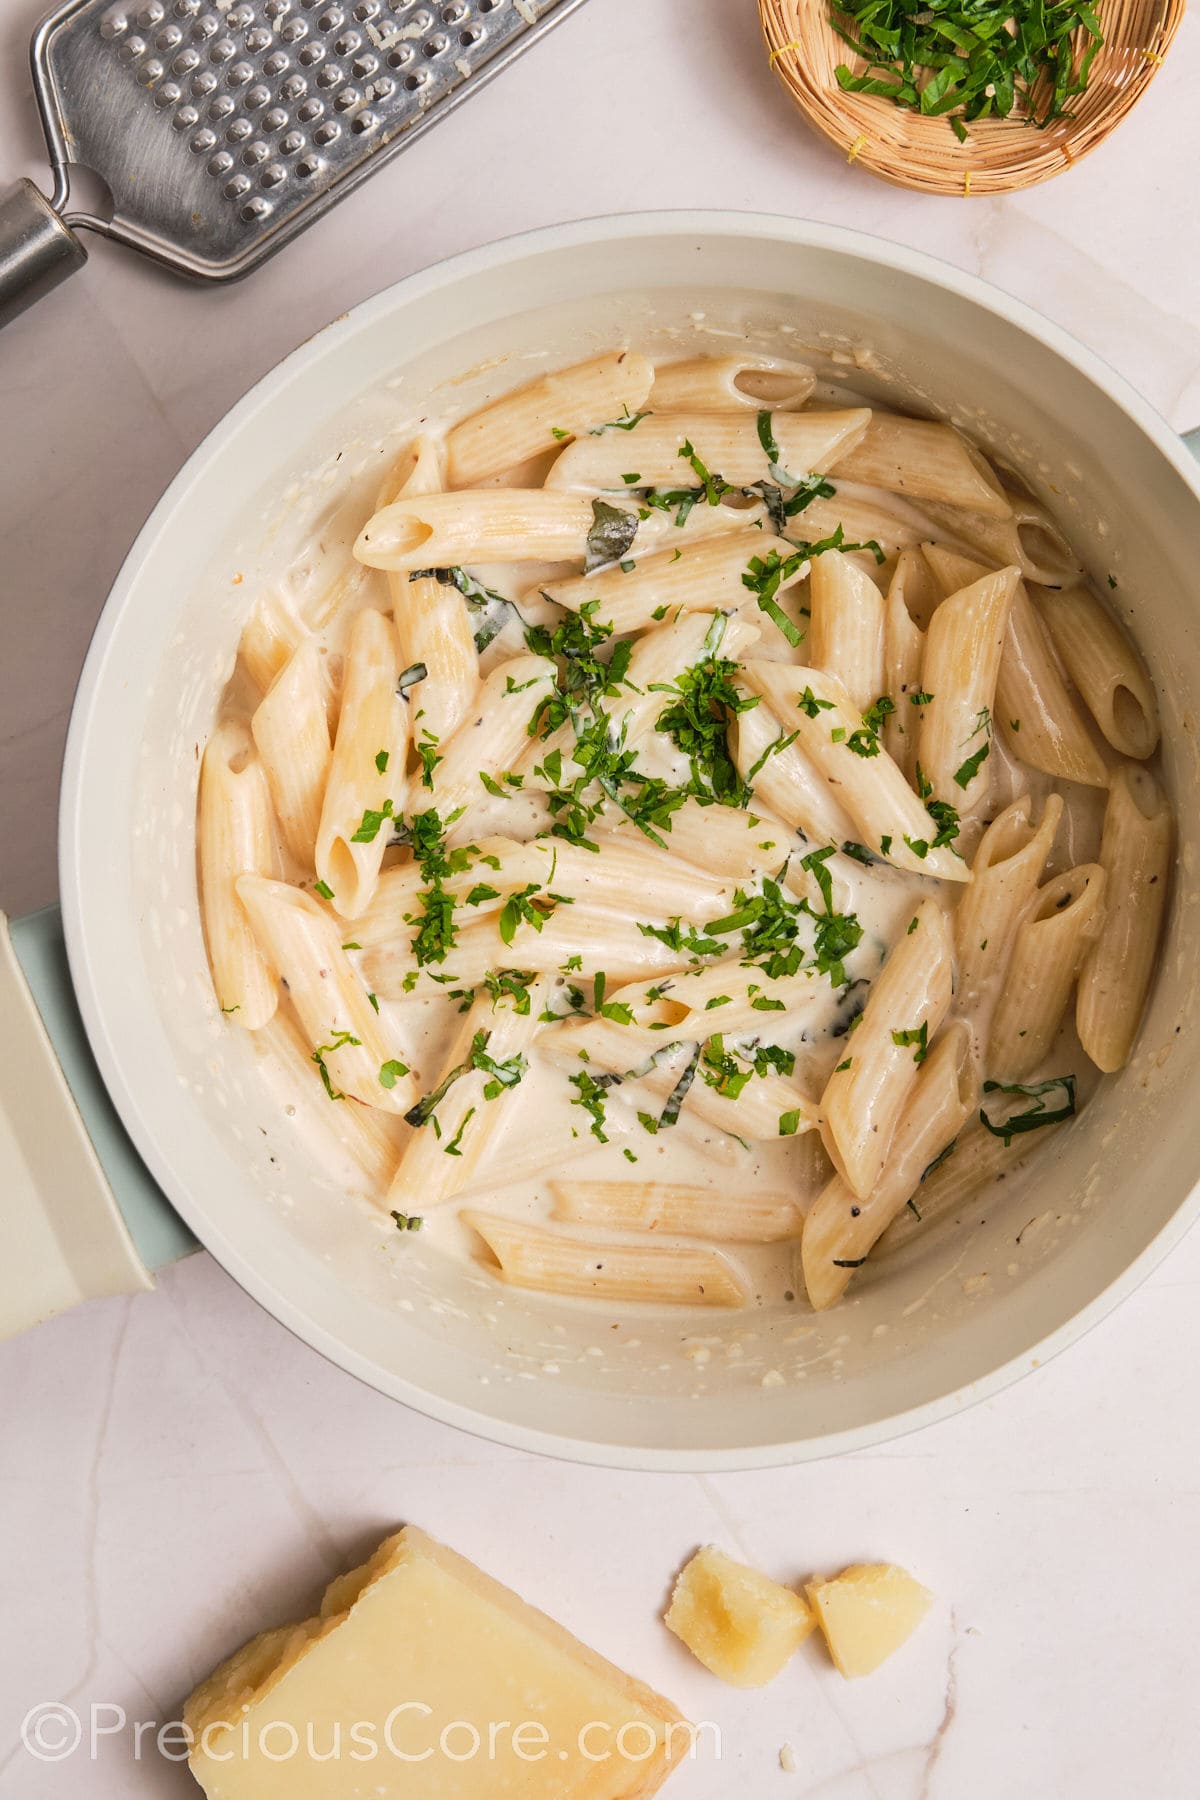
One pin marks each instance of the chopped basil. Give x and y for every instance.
(1035, 1116)
(612, 533)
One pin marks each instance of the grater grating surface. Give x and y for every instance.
(224, 127)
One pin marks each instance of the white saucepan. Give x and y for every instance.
(949, 1321)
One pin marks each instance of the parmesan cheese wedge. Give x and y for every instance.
(423, 1678)
(738, 1623)
(866, 1613)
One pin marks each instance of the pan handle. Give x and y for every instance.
(63, 1153)
(37, 249)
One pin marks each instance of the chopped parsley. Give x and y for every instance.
(381, 761)
(502, 1075)
(591, 1094)
(764, 576)
(966, 773)
(427, 750)
(509, 984)
(916, 1036)
(323, 888)
(696, 721)
(865, 741)
(519, 907)
(436, 931)
(944, 816)
(391, 1072)
(408, 1221)
(370, 823)
(964, 60)
(341, 1040)
(811, 706)
(626, 423)
(415, 672)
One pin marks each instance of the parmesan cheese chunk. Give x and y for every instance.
(867, 1612)
(740, 1624)
(423, 1678)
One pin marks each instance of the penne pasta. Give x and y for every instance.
(545, 412)
(455, 1124)
(959, 671)
(728, 995)
(433, 627)
(604, 877)
(726, 445)
(492, 741)
(869, 1090)
(367, 784)
(978, 1161)
(924, 460)
(765, 1106)
(1005, 874)
(1027, 538)
(550, 1262)
(1135, 854)
(889, 818)
(1052, 941)
(673, 1208)
(903, 651)
(703, 576)
(703, 819)
(782, 777)
(363, 1133)
(271, 637)
(726, 840)
(846, 634)
(869, 516)
(492, 525)
(291, 730)
(1104, 664)
(235, 837)
(841, 1228)
(730, 384)
(346, 1036)
(608, 944)
(1035, 709)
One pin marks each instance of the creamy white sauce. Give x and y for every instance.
(326, 587)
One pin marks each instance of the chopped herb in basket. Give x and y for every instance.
(971, 59)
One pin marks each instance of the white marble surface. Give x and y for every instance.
(176, 1470)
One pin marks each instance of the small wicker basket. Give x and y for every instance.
(920, 152)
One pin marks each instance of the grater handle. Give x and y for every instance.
(37, 250)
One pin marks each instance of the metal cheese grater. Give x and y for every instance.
(224, 127)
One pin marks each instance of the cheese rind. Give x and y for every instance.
(420, 1637)
(867, 1612)
(738, 1623)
